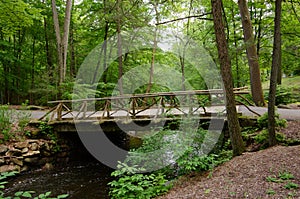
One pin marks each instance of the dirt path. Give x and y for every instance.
(245, 177)
(250, 175)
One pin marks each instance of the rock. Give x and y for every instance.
(62, 154)
(24, 168)
(21, 145)
(48, 166)
(25, 150)
(17, 161)
(46, 153)
(31, 153)
(2, 161)
(34, 146)
(34, 160)
(13, 152)
(7, 168)
(45, 160)
(3, 148)
(46, 147)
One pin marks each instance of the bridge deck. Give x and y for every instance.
(152, 105)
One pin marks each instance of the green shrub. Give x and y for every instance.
(6, 121)
(284, 95)
(263, 121)
(133, 184)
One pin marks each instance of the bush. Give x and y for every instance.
(263, 121)
(283, 95)
(133, 184)
(182, 151)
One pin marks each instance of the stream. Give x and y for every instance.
(78, 179)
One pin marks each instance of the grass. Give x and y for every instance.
(287, 82)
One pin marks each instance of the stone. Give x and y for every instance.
(8, 168)
(25, 150)
(3, 148)
(62, 154)
(43, 161)
(46, 153)
(34, 146)
(24, 168)
(48, 166)
(31, 153)
(34, 160)
(17, 161)
(13, 152)
(21, 145)
(2, 161)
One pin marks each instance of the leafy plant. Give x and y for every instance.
(133, 184)
(273, 178)
(263, 121)
(285, 175)
(291, 185)
(24, 194)
(6, 121)
(270, 192)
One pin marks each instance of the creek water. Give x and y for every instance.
(83, 179)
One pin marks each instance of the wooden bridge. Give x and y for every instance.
(142, 106)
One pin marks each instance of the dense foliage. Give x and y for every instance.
(28, 59)
(134, 180)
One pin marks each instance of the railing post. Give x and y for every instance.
(59, 111)
(133, 106)
(84, 109)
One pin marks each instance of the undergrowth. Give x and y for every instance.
(150, 170)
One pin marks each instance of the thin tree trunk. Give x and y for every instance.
(62, 42)
(120, 56)
(236, 51)
(32, 71)
(48, 53)
(275, 66)
(153, 50)
(65, 40)
(72, 53)
(256, 88)
(233, 122)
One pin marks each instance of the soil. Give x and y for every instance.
(251, 175)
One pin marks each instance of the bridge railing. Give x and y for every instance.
(135, 105)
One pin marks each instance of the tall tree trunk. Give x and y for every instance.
(62, 42)
(154, 49)
(65, 40)
(72, 53)
(256, 88)
(236, 51)
(274, 72)
(32, 86)
(120, 56)
(48, 53)
(233, 122)
(104, 76)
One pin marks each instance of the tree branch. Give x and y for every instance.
(188, 17)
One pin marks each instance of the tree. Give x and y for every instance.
(233, 123)
(62, 41)
(256, 88)
(276, 59)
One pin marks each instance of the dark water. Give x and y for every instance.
(78, 179)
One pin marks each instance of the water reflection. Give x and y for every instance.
(79, 180)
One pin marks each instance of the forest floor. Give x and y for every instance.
(270, 173)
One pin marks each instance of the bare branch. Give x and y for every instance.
(188, 17)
